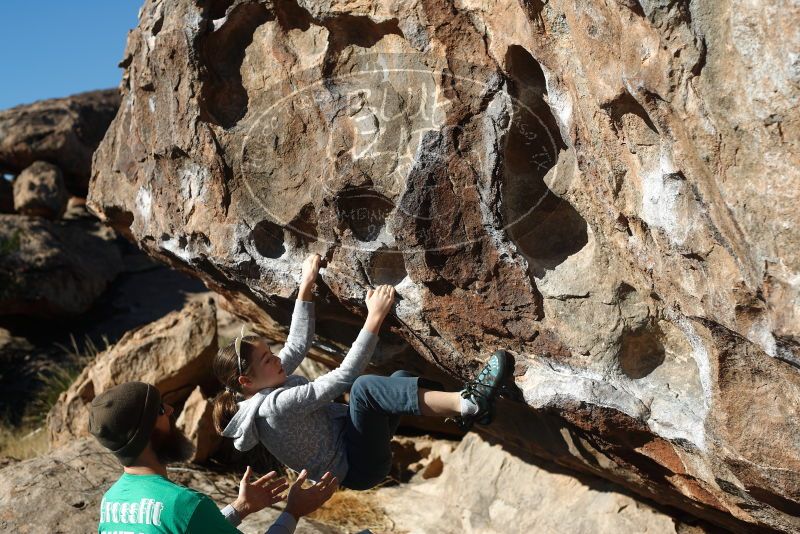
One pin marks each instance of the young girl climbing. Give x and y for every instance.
(298, 421)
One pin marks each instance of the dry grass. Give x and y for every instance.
(354, 511)
(23, 442)
(29, 438)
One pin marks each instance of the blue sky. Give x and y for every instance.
(51, 48)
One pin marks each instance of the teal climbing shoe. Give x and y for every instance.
(484, 389)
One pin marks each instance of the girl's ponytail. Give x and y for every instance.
(226, 369)
(225, 408)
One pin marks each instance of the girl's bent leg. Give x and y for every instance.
(439, 403)
(376, 404)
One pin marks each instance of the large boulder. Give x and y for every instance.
(520, 496)
(39, 190)
(608, 189)
(505, 494)
(51, 269)
(62, 131)
(173, 353)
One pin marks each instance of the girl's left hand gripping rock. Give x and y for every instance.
(310, 270)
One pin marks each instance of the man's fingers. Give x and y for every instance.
(276, 483)
(322, 483)
(280, 488)
(247, 473)
(327, 489)
(266, 478)
(326, 482)
(301, 477)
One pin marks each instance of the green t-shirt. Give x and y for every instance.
(151, 504)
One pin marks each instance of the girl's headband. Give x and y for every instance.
(238, 346)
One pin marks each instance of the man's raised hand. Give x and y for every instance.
(254, 496)
(302, 501)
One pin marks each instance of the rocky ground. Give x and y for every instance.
(480, 488)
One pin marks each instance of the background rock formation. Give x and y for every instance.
(61, 131)
(174, 354)
(60, 268)
(54, 268)
(607, 189)
(39, 191)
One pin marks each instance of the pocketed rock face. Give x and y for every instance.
(609, 190)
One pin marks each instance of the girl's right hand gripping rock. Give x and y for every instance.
(379, 303)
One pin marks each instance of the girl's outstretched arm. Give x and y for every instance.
(301, 331)
(329, 386)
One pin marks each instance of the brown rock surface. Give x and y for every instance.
(514, 496)
(39, 190)
(54, 268)
(173, 353)
(505, 494)
(58, 492)
(197, 424)
(61, 491)
(607, 189)
(62, 131)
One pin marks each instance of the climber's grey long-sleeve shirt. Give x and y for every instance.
(298, 422)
